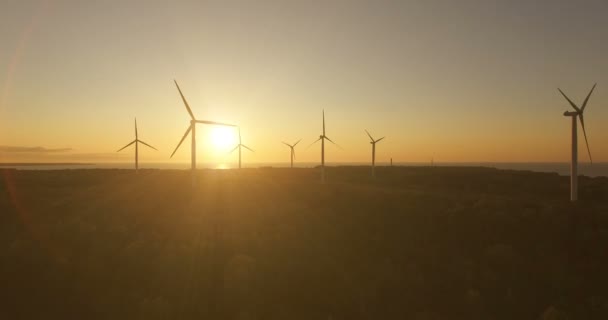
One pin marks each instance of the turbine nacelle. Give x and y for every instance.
(193, 122)
(372, 141)
(579, 112)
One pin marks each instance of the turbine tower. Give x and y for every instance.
(293, 151)
(574, 164)
(137, 142)
(192, 127)
(238, 146)
(373, 143)
(323, 137)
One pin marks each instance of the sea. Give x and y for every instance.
(587, 169)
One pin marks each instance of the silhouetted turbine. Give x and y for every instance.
(373, 143)
(137, 142)
(293, 151)
(322, 138)
(574, 162)
(192, 127)
(238, 146)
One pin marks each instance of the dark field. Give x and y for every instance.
(418, 243)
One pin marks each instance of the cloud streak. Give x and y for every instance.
(18, 149)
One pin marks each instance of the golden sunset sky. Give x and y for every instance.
(465, 81)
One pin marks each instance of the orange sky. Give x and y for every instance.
(474, 82)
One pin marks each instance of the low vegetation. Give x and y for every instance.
(417, 243)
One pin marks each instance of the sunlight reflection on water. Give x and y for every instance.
(222, 166)
(595, 170)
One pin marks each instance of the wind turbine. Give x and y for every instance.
(574, 164)
(192, 127)
(373, 143)
(323, 137)
(238, 146)
(137, 142)
(293, 151)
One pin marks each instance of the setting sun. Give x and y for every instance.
(223, 138)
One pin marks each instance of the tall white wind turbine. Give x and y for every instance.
(137, 142)
(574, 164)
(239, 146)
(322, 138)
(192, 127)
(373, 143)
(293, 151)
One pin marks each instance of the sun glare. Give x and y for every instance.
(223, 138)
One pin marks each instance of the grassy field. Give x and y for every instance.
(417, 243)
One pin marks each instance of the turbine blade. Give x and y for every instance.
(314, 142)
(182, 140)
(295, 144)
(571, 103)
(239, 135)
(246, 147)
(379, 140)
(328, 139)
(293, 152)
(369, 135)
(135, 128)
(324, 122)
(585, 134)
(285, 143)
(185, 102)
(237, 146)
(148, 145)
(587, 99)
(130, 143)
(214, 123)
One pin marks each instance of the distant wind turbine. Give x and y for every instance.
(322, 138)
(293, 151)
(137, 142)
(574, 164)
(373, 143)
(238, 146)
(192, 127)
